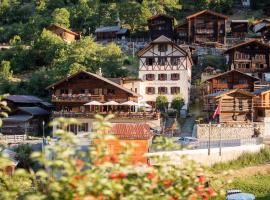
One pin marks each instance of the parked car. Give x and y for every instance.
(191, 142)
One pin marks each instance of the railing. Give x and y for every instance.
(259, 85)
(118, 115)
(77, 98)
(261, 104)
(20, 130)
(204, 144)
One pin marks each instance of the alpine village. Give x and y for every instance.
(134, 99)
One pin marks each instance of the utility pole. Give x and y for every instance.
(209, 138)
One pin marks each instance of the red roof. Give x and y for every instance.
(131, 131)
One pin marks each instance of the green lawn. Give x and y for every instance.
(258, 185)
(245, 160)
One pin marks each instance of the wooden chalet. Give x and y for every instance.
(262, 104)
(161, 24)
(71, 93)
(203, 27)
(250, 57)
(181, 32)
(84, 94)
(230, 80)
(235, 105)
(66, 34)
(112, 32)
(262, 28)
(239, 28)
(26, 116)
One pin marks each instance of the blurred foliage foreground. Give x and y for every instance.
(71, 173)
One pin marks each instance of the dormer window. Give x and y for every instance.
(162, 47)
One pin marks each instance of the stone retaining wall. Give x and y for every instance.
(228, 131)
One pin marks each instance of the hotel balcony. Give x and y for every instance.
(77, 98)
(118, 115)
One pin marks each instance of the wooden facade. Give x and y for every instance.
(161, 24)
(204, 27)
(250, 57)
(66, 34)
(262, 104)
(230, 80)
(239, 28)
(235, 105)
(181, 32)
(71, 93)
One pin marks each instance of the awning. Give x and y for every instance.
(93, 103)
(241, 196)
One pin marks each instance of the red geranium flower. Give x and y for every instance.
(151, 175)
(114, 159)
(113, 176)
(122, 175)
(211, 191)
(167, 183)
(79, 163)
(202, 179)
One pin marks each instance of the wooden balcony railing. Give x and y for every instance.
(118, 115)
(261, 104)
(77, 98)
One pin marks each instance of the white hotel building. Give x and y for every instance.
(165, 69)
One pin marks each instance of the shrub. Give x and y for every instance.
(162, 103)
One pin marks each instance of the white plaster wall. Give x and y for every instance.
(201, 155)
(185, 74)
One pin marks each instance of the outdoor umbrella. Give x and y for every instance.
(129, 103)
(93, 103)
(241, 196)
(146, 105)
(111, 103)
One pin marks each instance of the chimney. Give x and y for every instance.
(99, 72)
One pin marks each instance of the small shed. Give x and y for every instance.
(66, 34)
(235, 105)
(239, 28)
(111, 32)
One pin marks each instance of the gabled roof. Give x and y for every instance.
(261, 90)
(223, 93)
(160, 15)
(160, 39)
(231, 71)
(65, 29)
(108, 29)
(247, 43)
(34, 111)
(23, 99)
(17, 118)
(207, 11)
(95, 76)
(130, 131)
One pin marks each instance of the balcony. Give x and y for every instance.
(118, 115)
(77, 98)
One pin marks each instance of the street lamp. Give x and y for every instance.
(219, 126)
(43, 135)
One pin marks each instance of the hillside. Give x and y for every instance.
(37, 57)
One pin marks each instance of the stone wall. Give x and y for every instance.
(228, 131)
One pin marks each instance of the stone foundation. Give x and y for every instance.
(229, 131)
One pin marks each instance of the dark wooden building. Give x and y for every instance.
(26, 116)
(235, 105)
(250, 57)
(161, 24)
(71, 93)
(239, 28)
(230, 80)
(181, 32)
(206, 26)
